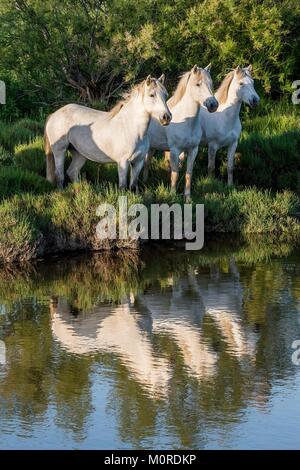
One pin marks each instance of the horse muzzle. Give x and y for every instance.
(211, 104)
(165, 119)
(254, 102)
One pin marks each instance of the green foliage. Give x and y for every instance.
(18, 181)
(5, 157)
(18, 234)
(268, 153)
(20, 132)
(31, 156)
(86, 50)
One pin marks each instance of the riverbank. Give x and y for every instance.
(36, 224)
(37, 220)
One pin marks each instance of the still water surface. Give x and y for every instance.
(165, 350)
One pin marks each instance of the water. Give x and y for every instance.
(167, 350)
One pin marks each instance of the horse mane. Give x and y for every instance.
(135, 90)
(222, 92)
(180, 89)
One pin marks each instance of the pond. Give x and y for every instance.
(165, 349)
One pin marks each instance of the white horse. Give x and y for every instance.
(117, 136)
(184, 133)
(223, 128)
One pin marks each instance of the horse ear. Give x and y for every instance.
(195, 69)
(148, 80)
(250, 68)
(208, 67)
(237, 70)
(162, 78)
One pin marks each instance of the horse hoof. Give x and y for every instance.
(134, 189)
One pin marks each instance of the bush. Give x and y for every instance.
(93, 48)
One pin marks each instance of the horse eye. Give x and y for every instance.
(241, 83)
(152, 95)
(198, 84)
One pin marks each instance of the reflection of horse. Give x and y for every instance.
(180, 311)
(116, 330)
(222, 296)
(176, 312)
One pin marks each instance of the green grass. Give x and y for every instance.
(38, 219)
(31, 156)
(15, 180)
(268, 153)
(35, 224)
(22, 131)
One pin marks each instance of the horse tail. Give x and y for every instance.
(50, 163)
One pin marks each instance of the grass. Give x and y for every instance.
(268, 152)
(37, 219)
(36, 224)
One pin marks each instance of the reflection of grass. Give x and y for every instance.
(37, 219)
(85, 281)
(88, 280)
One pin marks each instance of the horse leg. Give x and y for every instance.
(181, 159)
(174, 161)
(77, 163)
(230, 161)
(167, 158)
(212, 150)
(192, 154)
(136, 167)
(122, 171)
(147, 164)
(59, 159)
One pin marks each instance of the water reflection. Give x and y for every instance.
(117, 330)
(180, 345)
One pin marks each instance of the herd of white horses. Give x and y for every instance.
(146, 121)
